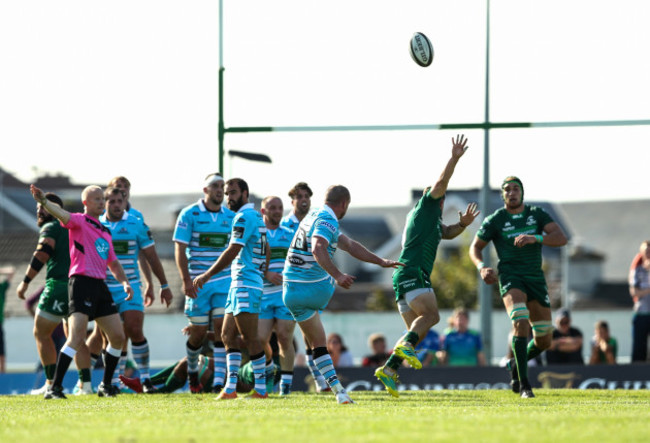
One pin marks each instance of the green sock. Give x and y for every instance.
(49, 371)
(412, 337)
(519, 348)
(533, 351)
(394, 362)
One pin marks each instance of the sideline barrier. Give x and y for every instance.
(633, 376)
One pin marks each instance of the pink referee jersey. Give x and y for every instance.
(91, 248)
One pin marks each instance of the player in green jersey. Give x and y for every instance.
(518, 232)
(416, 300)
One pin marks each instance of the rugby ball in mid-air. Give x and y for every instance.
(421, 49)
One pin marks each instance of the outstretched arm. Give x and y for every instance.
(319, 249)
(358, 251)
(466, 219)
(57, 211)
(459, 146)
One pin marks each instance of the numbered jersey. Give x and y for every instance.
(130, 235)
(206, 235)
(249, 231)
(279, 241)
(301, 266)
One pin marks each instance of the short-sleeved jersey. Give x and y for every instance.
(422, 234)
(206, 235)
(91, 247)
(301, 266)
(130, 235)
(502, 228)
(462, 348)
(58, 265)
(290, 221)
(249, 231)
(279, 241)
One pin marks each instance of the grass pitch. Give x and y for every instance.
(554, 415)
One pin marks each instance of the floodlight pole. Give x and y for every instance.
(485, 291)
(222, 129)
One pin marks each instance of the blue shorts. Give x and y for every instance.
(244, 300)
(210, 301)
(305, 299)
(135, 304)
(273, 307)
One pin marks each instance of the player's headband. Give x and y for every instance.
(212, 179)
(512, 179)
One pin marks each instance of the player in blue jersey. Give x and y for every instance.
(309, 275)
(202, 234)
(301, 202)
(274, 313)
(248, 253)
(130, 237)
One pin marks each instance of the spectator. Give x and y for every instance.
(428, 350)
(341, 357)
(377, 344)
(603, 346)
(566, 347)
(462, 346)
(639, 291)
(7, 274)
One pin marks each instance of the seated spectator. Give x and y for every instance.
(461, 346)
(341, 357)
(377, 344)
(603, 346)
(428, 349)
(566, 347)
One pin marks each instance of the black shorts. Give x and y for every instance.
(90, 296)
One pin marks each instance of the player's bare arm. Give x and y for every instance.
(319, 249)
(57, 211)
(118, 272)
(360, 252)
(554, 237)
(222, 262)
(182, 265)
(152, 259)
(488, 274)
(464, 220)
(39, 259)
(458, 148)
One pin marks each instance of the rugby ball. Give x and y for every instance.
(421, 49)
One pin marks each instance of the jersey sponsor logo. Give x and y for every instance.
(121, 247)
(408, 283)
(102, 247)
(212, 240)
(238, 231)
(295, 260)
(330, 227)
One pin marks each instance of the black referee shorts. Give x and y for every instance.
(90, 296)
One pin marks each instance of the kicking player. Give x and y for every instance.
(416, 300)
(516, 231)
(91, 251)
(201, 235)
(131, 236)
(274, 314)
(309, 276)
(247, 252)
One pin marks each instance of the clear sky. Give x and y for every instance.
(97, 89)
